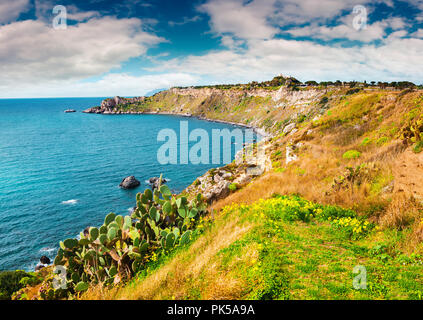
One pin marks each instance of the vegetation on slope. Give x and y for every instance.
(282, 248)
(290, 248)
(122, 246)
(358, 150)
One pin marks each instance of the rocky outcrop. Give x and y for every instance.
(129, 183)
(214, 184)
(154, 182)
(289, 128)
(45, 260)
(290, 155)
(110, 106)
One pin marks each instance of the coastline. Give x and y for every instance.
(237, 174)
(258, 130)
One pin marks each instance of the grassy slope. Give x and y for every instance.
(251, 252)
(256, 252)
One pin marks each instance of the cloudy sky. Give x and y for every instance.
(131, 47)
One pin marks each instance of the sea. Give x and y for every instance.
(60, 172)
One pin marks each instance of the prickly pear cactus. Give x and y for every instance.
(121, 246)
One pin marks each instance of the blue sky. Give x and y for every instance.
(129, 48)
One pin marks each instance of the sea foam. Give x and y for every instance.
(71, 202)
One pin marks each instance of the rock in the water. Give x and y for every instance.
(45, 260)
(154, 182)
(129, 183)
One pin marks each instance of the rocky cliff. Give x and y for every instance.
(268, 110)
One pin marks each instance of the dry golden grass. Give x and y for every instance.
(321, 158)
(188, 272)
(401, 212)
(311, 177)
(417, 235)
(320, 161)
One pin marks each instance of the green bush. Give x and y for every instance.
(381, 141)
(352, 91)
(351, 154)
(324, 101)
(32, 279)
(365, 142)
(10, 282)
(233, 187)
(418, 147)
(295, 208)
(353, 228)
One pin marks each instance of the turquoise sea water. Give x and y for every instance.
(59, 173)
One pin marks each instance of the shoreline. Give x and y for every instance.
(257, 130)
(261, 131)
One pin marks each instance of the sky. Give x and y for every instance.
(99, 48)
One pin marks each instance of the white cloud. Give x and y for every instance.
(306, 11)
(418, 34)
(375, 31)
(262, 55)
(184, 21)
(230, 42)
(32, 51)
(299, 12)
(110, 85)
(82, 16)
(263, 19)
(417, 3)
(11, 9)
(37, 61)
(243, 20)
(308, 60)
(44, 12)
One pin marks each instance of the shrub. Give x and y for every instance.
(354, 228)
(351, 154)
(365, 142)
(10, 282)
(324, 101)
(352, 91)
(301, 118)
(233, 187)
(381, 141)
(418, 147)
(276, 164)
(333, 212)
(277, 153)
